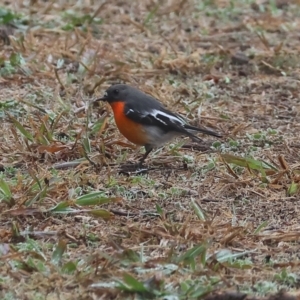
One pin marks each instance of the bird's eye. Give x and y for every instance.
(116, 91)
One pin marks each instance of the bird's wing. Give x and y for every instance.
(161, 118)
(182, 123)
(153, 117)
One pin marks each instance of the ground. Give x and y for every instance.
(216, 220)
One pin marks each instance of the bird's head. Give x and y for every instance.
(115, 93)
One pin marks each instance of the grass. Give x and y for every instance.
(207, 221)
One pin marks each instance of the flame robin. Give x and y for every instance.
(144, 121)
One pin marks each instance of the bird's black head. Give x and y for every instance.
(115, 93)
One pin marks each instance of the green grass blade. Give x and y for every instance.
(151, 14)
(87, 145)
(5, 190)
(101, 213)
(94, 198)
(62, 207)
(130, 284)
(192, 253)
(69, 268)
(293, 189)
(159, 210)
(199, 213)
(38, 197)
(22, 130)
(225, 255)
(58, 252)
(260, 227)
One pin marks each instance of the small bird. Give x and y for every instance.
(144, 121)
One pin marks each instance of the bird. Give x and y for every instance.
(144, 121)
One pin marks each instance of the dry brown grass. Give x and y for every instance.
(234, 65)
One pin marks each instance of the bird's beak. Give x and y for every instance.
(104, 98)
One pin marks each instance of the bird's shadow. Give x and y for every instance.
(138, 169)
(129, 168)
(134, 169)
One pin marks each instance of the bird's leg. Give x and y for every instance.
(148, 150)
(137, 168)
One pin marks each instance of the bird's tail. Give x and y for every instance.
(190, 128)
